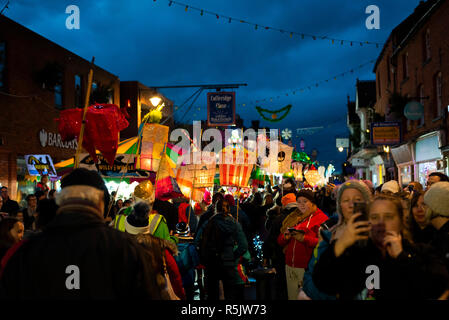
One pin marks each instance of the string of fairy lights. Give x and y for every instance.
(258, 26)
(310, 86)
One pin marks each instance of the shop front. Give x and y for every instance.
(377, 170)
(428, 157)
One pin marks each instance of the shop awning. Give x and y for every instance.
(364, 154)
(402, 154)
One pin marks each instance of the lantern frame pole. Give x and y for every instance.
(191, 194)
(83, 122)
(157, 177)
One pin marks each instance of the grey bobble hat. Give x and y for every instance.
(437, 198)
(353, 184)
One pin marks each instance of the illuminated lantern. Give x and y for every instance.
(197, 175)
(297, 170)
(302, 144)
(321, 171)
(236, 166)
(312, 176)
(154, 136)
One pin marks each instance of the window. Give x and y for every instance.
(405, 66)
(427, 45)
(58, 91)
(2, 63)
(78, 92)
(439, 94)
(421, 100)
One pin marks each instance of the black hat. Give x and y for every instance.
(82, 176)
(306, 194)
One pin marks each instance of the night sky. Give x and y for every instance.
(157, 44)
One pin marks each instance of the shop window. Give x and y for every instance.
(439, 94)
(57, 89)
(2, 63)
(78, 91)
(111, 96)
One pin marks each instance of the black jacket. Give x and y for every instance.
(111, 264)
(271, 249)
(10, 206)
(441, 242)
(417, 273)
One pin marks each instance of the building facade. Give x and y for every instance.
(414, 67)
(38, 78)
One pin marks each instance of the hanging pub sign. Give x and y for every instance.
(386, 133)
(124, 165)
(220, 108)
(39, 164)
(414, 110)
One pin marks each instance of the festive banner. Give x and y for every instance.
(123, 165)
(40, 164)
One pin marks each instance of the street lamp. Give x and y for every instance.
(340, 149)
(155, 101)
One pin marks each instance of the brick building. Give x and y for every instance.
(414, 66)
(38, 78)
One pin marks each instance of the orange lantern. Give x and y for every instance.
(236, 166)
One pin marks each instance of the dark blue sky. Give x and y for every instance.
(155, 44)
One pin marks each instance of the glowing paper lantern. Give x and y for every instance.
(312, 176)
(238, 171)
(297, 170)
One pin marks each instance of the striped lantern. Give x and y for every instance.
(236, 167)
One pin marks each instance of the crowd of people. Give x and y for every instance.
(324, 244)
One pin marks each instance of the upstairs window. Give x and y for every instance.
(405, 66)
(78, 92)
(422, 101)
(439, 94)
(427, 52)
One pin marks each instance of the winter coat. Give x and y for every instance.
(10, 206)
(297, 254)
(110, 263)
(223, 242)
(417, 273)
(154, 245)
(308, 285)
(441, 243)
(271, 249)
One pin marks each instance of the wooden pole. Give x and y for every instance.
(157, 176)
(83, 123)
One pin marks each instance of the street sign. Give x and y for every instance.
(221, 108)
(386, 133)
(342, 142)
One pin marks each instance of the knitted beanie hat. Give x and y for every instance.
(308, 194)
(391, 186)
(138, 221)
(288, 198)
(353, 184)
(437, 198)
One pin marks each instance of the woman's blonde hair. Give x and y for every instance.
(396, 200)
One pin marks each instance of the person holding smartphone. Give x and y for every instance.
(299, 238)
(389, 267)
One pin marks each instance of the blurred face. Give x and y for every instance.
(32, 202)
(20, 216)
(4, 193)
(120, 203)
(17, 232)
(419, 211)
(385, 212)
(347, 200)
(306, 206)
(44, 180)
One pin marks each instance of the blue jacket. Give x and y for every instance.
(308, 286)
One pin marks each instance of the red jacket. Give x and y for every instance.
(298, 253)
